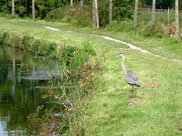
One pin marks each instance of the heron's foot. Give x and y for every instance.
(132, 94)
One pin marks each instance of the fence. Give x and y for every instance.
(164, 16)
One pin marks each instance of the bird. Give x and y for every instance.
(130, 77)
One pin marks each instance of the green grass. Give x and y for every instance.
(163, 17)
(156, 110)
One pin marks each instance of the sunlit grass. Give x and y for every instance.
(156, 109)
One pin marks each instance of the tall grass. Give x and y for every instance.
(76, 66)
(74, 15)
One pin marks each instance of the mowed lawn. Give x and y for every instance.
(157, 108)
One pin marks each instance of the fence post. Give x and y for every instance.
(141, 10)
(147, 13)
(160, 16)
(118, 12)
(180, 22)
(136, 13)
(127, 12)
(6, 7)
(168, 21)
(104, 14)
(88, 12)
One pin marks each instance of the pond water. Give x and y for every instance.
(23, 79)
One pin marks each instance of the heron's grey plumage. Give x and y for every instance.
(130, 77)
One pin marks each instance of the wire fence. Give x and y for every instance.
(162, 16)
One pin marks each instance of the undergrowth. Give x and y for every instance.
(78, 65)
(74, 15)
(143, 28)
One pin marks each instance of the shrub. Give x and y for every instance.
(82, 55)
(73, 16)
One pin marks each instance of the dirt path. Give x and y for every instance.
(137, 48)
(51, 28)
(131, 46)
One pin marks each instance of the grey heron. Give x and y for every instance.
(130, 77)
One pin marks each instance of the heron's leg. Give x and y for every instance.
(129, 89)
(132, 90)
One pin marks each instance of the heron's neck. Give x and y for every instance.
(122, 65)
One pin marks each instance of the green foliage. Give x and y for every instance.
(80, 67)
(67, 15)
(157, 102)
(84, 18)
(60, 9)
(41, 123)
(24, 7)
(159, 3)
(21, 10)
(144, 29)
(153, 30)
(29, 43)
(82, 55)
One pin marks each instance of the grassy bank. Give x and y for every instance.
(73, 65)
(156, 109)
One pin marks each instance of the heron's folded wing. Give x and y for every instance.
(131, 77)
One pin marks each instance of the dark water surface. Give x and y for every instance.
(23, 79)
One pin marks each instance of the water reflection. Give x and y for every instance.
(21, 79)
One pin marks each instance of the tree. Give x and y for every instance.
(27, 7)
(96, 13)
(177, 32)
(71, 3)
(33, 9)
(110, 12)
(13, 7)
(6, 7)
(81, 5)
(136, 12)
(95, 16)
(153, 12)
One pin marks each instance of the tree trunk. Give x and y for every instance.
(177, 32)
(81, 5)
(153, 12)
(6, 7)
(93, 14)
(136, 12)
(96, 13)
(33, 9)
(13, 7)
(110, 12)
(26, 7)
(71, 3)
(19, 9)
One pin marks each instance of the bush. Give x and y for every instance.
(74, 16)
(82, 55)
(151, 30)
